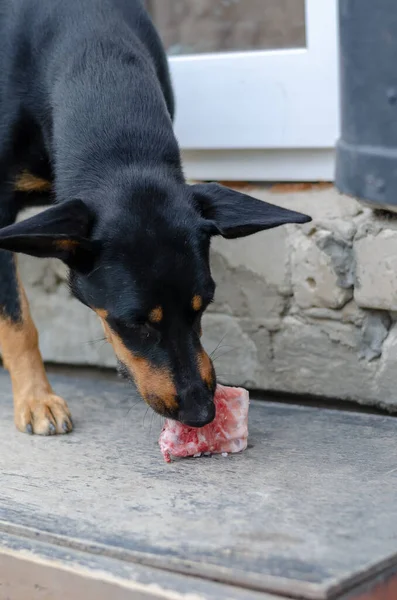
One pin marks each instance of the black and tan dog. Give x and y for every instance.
(86, 111)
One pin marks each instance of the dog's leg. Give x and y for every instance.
(36, 408)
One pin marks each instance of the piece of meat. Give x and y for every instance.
(228, 432)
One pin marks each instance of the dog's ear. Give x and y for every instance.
(233, 214)
(58, 232)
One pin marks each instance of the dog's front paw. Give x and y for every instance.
(44, 414)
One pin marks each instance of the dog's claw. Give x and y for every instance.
(44, 414)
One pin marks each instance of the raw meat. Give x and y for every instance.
(228, 432)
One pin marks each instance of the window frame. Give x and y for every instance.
(269, 115)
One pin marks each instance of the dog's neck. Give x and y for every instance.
(90, 157)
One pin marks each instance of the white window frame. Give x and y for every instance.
(266, 115)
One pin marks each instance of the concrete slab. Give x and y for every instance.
(308, 511)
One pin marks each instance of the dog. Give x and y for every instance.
(86, 128)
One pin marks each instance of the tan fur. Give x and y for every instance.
(26, 182)
(154, 384)
(156, 315)
(69, 245)
(205, 368)
(35, 403)
(197, 302)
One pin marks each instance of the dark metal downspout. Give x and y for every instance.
(366, 157)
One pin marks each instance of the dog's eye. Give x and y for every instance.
(140, 331)
(148, 333)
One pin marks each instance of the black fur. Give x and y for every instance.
(86, 101)
(10, 305)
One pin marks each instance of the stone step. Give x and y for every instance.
(308, 511)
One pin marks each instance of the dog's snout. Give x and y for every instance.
(196, 407)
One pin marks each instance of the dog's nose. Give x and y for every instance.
(197, 416)
(196, 405)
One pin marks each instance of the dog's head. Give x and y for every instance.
(146, 273)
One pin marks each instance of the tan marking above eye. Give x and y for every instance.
(156, 315)
(26, 182)
(197, 302)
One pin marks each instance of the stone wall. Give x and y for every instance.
(309, 309)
